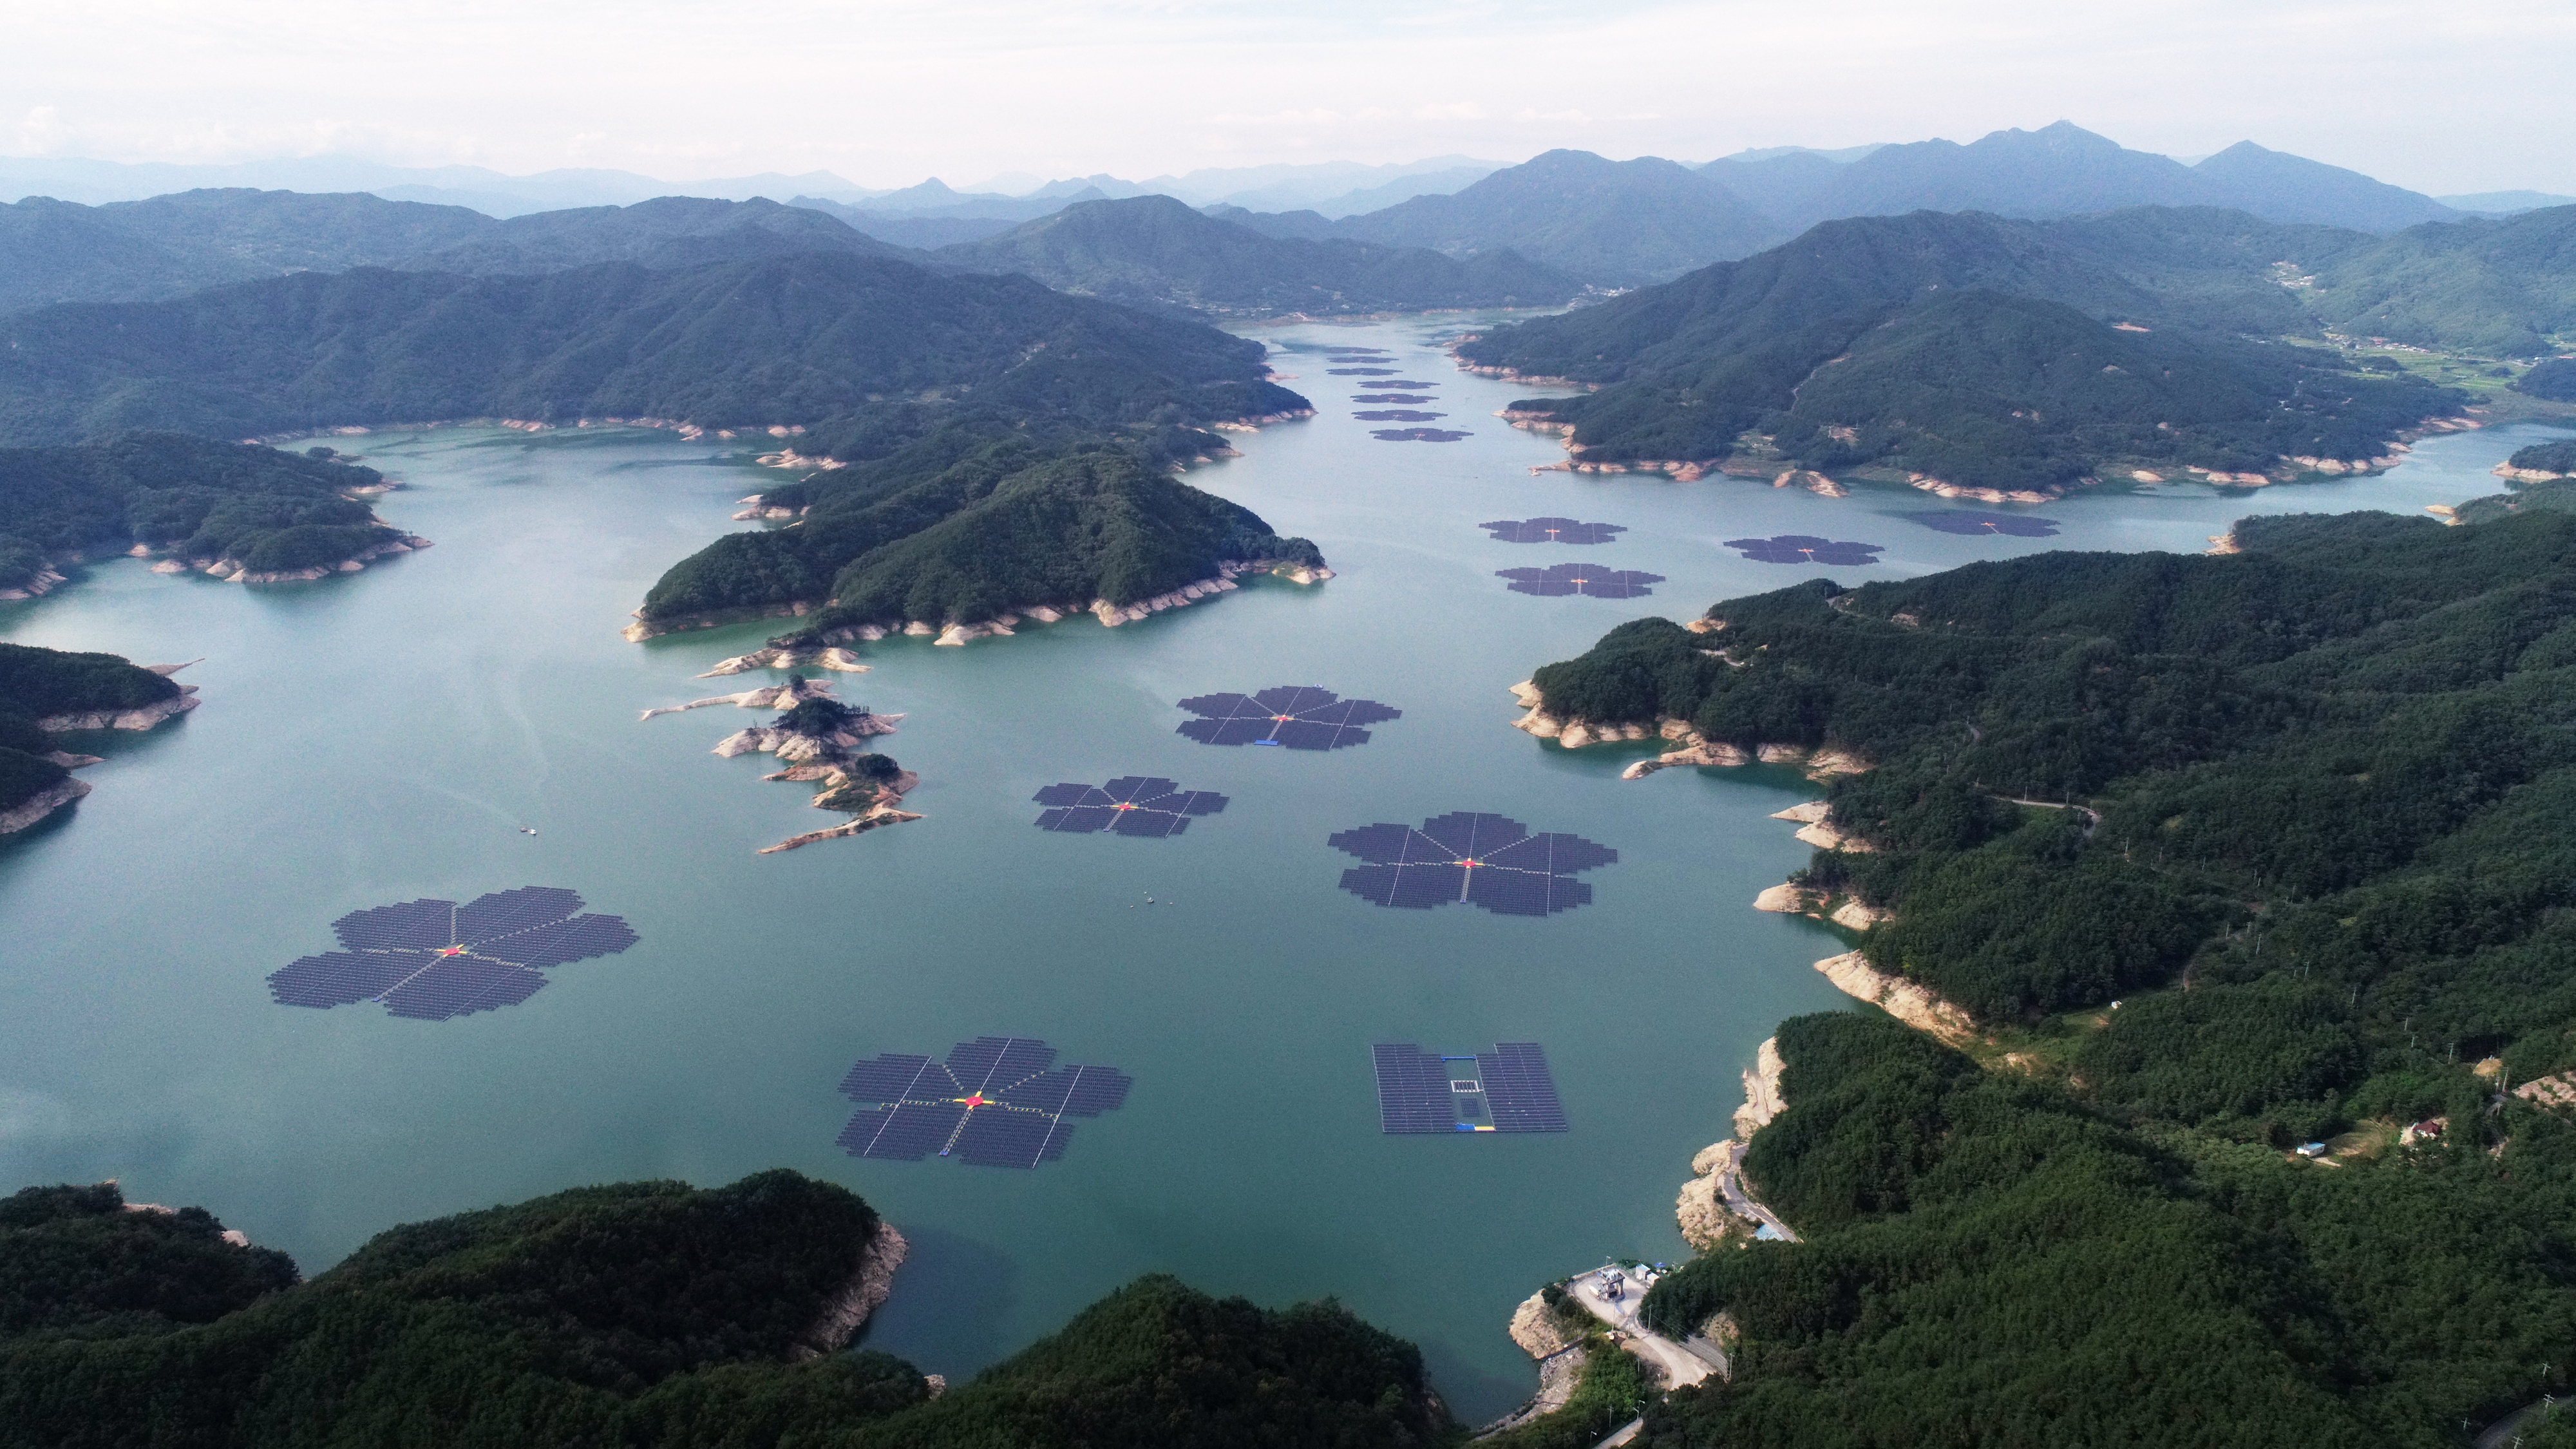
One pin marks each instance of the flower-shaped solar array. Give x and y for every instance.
(1487, 860)
(1551, 530)
(1971, 520)
(1129, 805)
(1581, 578)
(1799, 548)
(1398, 415)
(1297, 716)
(1361, 371)
(1417, 435)
(436, 959)
(1406, 399)
(998, 1101)
(1407, 384)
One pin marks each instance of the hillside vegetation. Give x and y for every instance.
(1979, 350)
(645, 1314)
(2494, 288)
(1152, 251)
(36, 683)
(804, 338)
(168, 246)
(975, 518)
(194, 498)
(2322, 866)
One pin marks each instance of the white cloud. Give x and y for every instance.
(887, 91)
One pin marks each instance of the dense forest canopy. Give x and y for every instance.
(2283, 836)
(1152, 251)
(1978, 350)
(36, 683)
(197, 499)
(2354, 709)
(973, 518)
(647, 1314)
(806, 338)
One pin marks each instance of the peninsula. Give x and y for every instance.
(46, 692)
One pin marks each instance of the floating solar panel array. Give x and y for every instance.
(1417, 435)
(1398, 415)
(1970, 520)
(1128, 805)
(434, 960)
(1799, 548)
(997, 1101)
(1485, 860)
(1552, 530)
(1511, 1090)
(1296, 716)
(1401, 399)
(1593, 580)
(1360, 371)
(1405, 384)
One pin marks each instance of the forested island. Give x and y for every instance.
(45, 692)
(1971, 351)
(639, 1313)
(2223, 855)
(232, 509)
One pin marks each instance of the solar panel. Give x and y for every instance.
(1416, 1095)
(1552, 530)
(1141, 805)
(1398, 415)
(454, 986)
(432, 960)
(425, 924)
(1360, 371)
(1490, 861)
(1591, 580)
(996, 1101)
(1293, 716)
(1970, 520)
(1417, 435)
(1389, 397)
(1799, 548)
(1521, 1089)
(1400, 384)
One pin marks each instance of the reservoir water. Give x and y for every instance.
(383, 736)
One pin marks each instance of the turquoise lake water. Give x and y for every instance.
(382, 736)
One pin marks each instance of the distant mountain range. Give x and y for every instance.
(1153, 251)
(1627, 223)
(57, 251)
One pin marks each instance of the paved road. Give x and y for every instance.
(1730, 1184)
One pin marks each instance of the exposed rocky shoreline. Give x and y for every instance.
(999, 626)
(41, 804)
(1701, 1211)
(848, 1311)
(1689, 747)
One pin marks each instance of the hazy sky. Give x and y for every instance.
(2462, 95)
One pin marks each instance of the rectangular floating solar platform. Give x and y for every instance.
(1417, 1094)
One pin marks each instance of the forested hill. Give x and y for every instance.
(1154, 251)
(1619, 223)
(2323, 865)
(36, 683)
(652, 1315)
(977, 517)
(1981, 350)
(806, 338)
(2501, 288)
(167, 246)
(195, 499)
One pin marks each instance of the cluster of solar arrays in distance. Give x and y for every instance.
(1799, 548)
(1593, 580)
(1295, 716)
(998, 1101)
(1509, 1090)
(437, 959)
(1972, 520)
(1552, 530)
(1129, 805)
(1486, 860)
